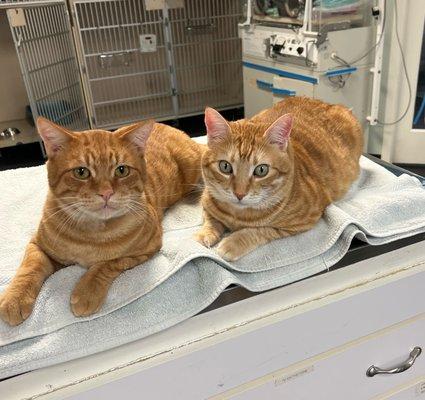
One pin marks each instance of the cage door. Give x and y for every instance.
(126, 65)
(46, 53)
(207, 54)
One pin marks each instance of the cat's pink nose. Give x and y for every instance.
(106, 194)
(240, 196)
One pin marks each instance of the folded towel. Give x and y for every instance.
(184, 277)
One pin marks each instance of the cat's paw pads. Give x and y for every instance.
(207, 238)
(87, 298)
(229, 250)
(15, 308)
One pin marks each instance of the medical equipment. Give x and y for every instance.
(328, 49)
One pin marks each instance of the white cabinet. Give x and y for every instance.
(257, 85)
(414, 390)
(284, 87)
(313, 339)
(341, 373)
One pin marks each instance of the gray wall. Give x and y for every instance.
(13, 96)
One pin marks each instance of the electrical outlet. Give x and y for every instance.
(147, 43)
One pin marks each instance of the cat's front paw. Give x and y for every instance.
(207, 237)
(87, 297)
(229, 249)
(15, 307)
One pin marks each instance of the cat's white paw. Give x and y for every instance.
(229, 250)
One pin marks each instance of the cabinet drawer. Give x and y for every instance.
(257, 91)
(414, 390)
(284, 87)
(341, 373)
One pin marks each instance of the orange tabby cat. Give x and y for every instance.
(103, 211)
(273, 175)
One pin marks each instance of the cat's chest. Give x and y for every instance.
(86, 249)
(235, 219)
(84, 255)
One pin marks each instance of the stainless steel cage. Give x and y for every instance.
(197, 60)
(207, 54)
(123, 84)
(44, 45)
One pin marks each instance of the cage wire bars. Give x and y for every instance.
(196, 60)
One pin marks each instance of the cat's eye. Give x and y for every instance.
(122, 171)
(81, 172)
(261, 170)
(225, 167)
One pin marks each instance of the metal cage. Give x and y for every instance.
(197, 60)
(207, 54)
(46, 53)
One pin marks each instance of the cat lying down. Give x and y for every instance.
(265, 178)
(107, 195)
(273, 175)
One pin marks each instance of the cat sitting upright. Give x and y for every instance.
(273, 175)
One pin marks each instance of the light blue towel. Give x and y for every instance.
(184, 277)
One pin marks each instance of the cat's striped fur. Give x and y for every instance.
(312, 149)
(105, 223)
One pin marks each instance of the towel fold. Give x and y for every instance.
(184, 277)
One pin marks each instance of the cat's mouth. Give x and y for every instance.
(107, 206)
(240, 203)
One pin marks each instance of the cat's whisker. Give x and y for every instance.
(142, 213)
(63, 209)
(61, 226)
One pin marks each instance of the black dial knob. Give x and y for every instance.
(277, 48)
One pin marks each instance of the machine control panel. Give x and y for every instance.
(291, 46)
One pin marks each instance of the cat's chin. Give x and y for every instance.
(245, 206)
(251, 205)
(240, 205)
(104, 213)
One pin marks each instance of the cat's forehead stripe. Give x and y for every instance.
(90, 157)
(246, 138)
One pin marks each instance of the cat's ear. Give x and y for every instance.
(54, 136)
(138, 134)
(217, 126)
(279, 132)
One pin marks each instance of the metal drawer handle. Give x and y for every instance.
(414, 354)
